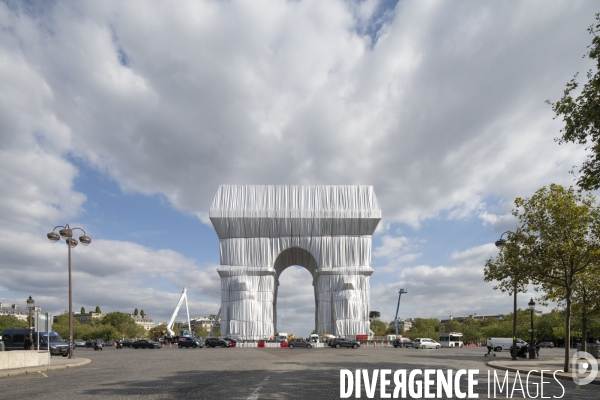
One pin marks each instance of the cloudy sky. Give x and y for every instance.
(123, 118)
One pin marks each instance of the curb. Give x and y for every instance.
(561, 375)
(35, 370)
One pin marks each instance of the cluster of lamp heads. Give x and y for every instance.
(67, 233)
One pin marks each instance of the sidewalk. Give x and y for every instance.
(55, 363)
(525, 365)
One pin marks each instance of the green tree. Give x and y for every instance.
(511, 271)
(9, 321)
(378, 327)
(82, 310)
(201, 331)
(135, 312)
(452, 326)
(563, 243)
(581, 116)
(374, 315)
(124, 325)
(142, 313)
(98, 310)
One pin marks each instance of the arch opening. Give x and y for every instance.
(294, 256)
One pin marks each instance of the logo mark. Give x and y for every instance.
(590, 364)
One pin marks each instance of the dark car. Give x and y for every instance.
(189, 342)
(343, 342)
(216, 342)
(14, 339)
(549, 345)
(145, 344)
(299, 343)
(402, 342)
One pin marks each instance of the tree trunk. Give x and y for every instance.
(584, 333)
(568, 332)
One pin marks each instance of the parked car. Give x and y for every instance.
(299, 343)
(216, 342)
(145, 344)
(425, 343)
(126, 342)
(188, 342)
(110, 343)
(80, 343)
(549, 345)
(343, 342)
(402, 342)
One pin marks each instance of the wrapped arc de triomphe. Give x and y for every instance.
(265, 229)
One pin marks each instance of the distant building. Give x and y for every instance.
(499, 317)
(144, 321)
(198, 322)
(404, 325)
(84, 318)
(16, 311)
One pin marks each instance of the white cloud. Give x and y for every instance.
(441, 113)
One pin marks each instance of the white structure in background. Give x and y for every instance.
(265, 229)
(144, 321)
(16, 311)
(170, 323)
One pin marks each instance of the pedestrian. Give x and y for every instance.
(489, 345)
(27, 344)
(537, 349)
(597, 341)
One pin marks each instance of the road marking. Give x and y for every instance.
(254, 395)
(45, 376)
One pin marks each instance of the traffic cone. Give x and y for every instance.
(163, 345)
(170, 344)
(374, 344)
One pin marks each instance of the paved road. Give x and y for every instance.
(173, 373)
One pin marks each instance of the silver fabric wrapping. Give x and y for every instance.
(265, 229)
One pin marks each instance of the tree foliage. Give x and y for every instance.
(9, 321)
(556, 247)
(98, 310)
(378, 327)
(123, 325)
(374, 314)
(581, 115)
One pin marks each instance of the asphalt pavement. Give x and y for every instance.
(250, 373)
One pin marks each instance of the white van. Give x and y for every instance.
(500, 344)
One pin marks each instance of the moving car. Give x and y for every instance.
(189, 342)
(343, 342)
(216, 342)
(500, 344)
(402, 342)
(545, 345)
(299, 343)
(425, 343)
(14, 339)
(145, 344)
(79, 343)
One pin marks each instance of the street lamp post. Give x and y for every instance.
(67, 233)
(500, 243)
(30, 304)
(400, 293)
(531, 305)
